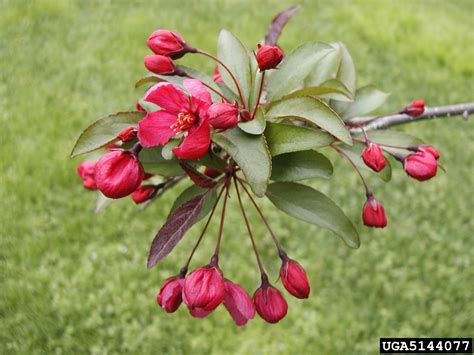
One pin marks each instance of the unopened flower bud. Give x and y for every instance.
(238, 303)
(170, 296)
(421, 166)
(373, 213)
(429, 149)
(294, 278)
(168, 43)
(127, 134)
(268, 57)
(86, 171)
(203, 290)
(223, 115)
(373, 157)
(270, 303)
(143, 193)
(159, 64)
(415, 109)
(118, 173)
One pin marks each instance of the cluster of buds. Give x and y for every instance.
(205, 288)
(421, 164)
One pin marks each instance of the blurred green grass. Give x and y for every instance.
(75, 282)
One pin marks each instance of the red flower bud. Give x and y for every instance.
(159, 64)
(143, 193)
(212, 173)
(421, 166)
(128, 134)
(268, 57)
(415, 109)
(373, 157)
(429, 149)
(223, 115)
(217, 75)
(170, 296)
(118, 173)
(294, 278)
(203, 290)
(270, 303)
(168, 43)
(238, 303)
(373, 213)
(86, 170)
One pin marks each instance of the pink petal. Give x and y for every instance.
(167, 96)
(197, 90)
(196, 143)
(199, 313)
(238, 303)
(155, 128)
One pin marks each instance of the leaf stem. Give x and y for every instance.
(260, 266)
(221, 225)
(228, 71)
(275, 240)
(184, 269)
(342, 151)
(383, 144)
(210, 88)
(258, 98)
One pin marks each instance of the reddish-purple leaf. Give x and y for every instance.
(174, 229)
(278, 22)
(198, 178)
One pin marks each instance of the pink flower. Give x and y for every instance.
(373, 213)
(170, 296)
(159, 64)
(270, 303)
(118, 173)
(86, 171)
(223, 115)
(268, 57)
(143, 193)
(294, 278)
(421, 166)
(238, 303)
(127, 135)
(180, 114)
(415, 109)
(168, 43)
(429, 149)
(373, 157)
(203, 290)
(217, 75)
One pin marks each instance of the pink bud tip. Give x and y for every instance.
(415, 109)
(268, 57)
(421, 166)
(238, 303)
(170, 296)
(373, 157)
(294, 279)
(223, 115)
(159, 64)
(373, 213)
(270, 303)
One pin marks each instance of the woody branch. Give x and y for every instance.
(381, 122)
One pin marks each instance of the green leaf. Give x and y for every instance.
(149, 106)
(294, 68)
(367, 99)
(355, 151)
(234, 55)
(150, 78)
(285, 138)
(309, 205)
(313, 111)
(300, 165)
(252, 155)
(193, 191)
(330, 89)
(212, 160)
(256, 126)
(104, 131)
(167, 150)
(256, 79)
(154, 163)
(394, 138)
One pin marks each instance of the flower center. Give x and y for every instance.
(185, 121)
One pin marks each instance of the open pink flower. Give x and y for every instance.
(181, 114)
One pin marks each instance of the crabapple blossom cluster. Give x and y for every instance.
(255, 126)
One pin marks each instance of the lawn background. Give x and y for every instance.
(75, 282)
